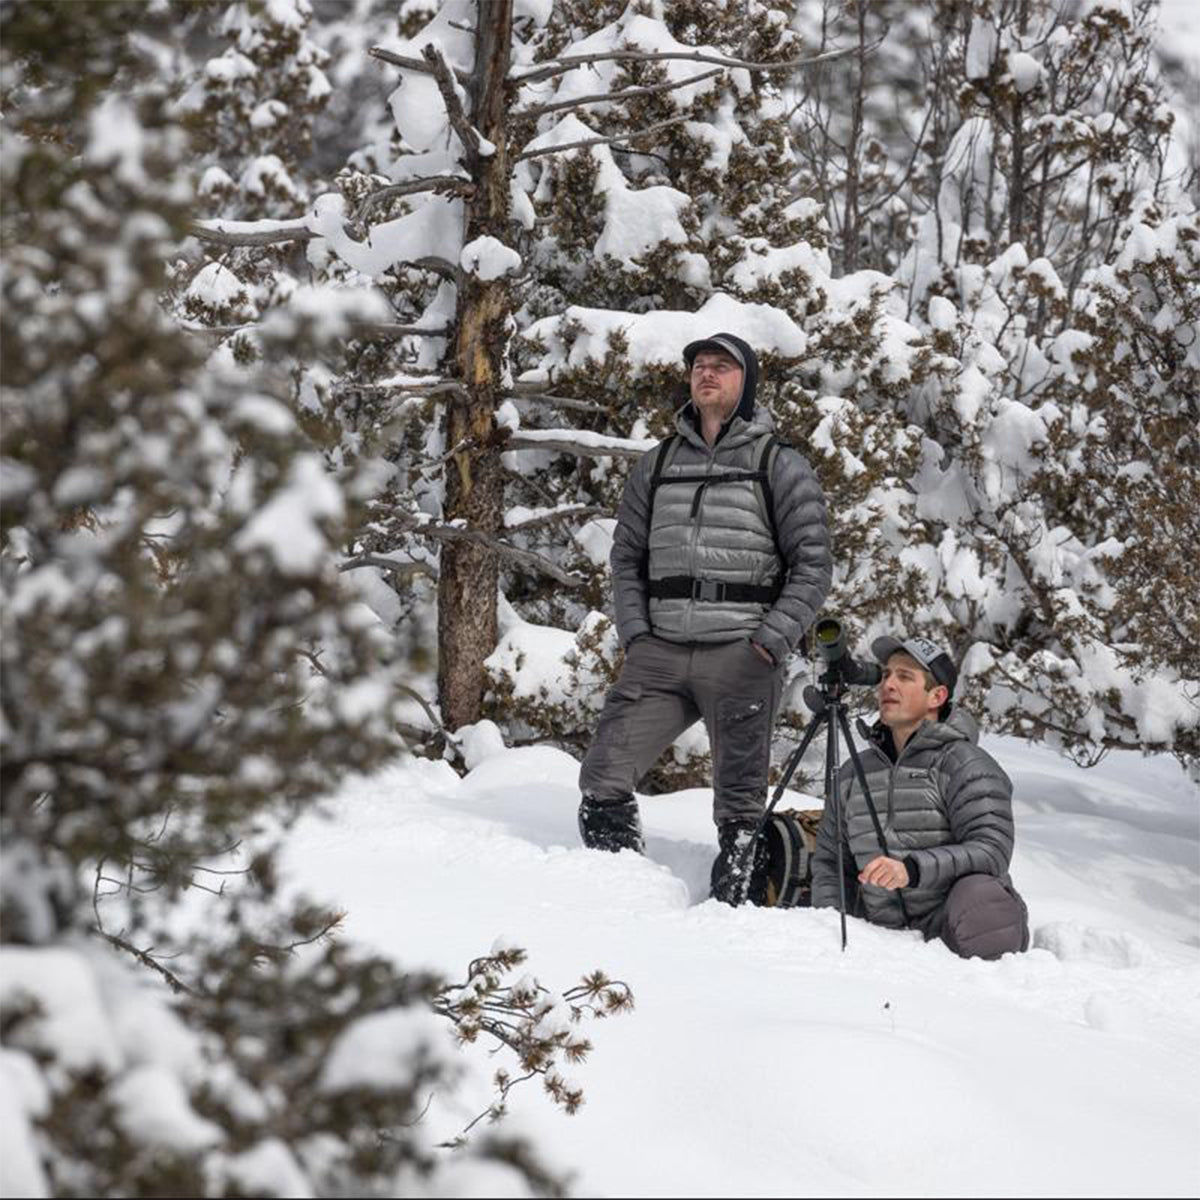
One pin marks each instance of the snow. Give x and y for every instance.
(268, 1169)
(23, 1095)
(378, 1051)
(1068, 1070)
(286, 526)
(636, 219)
(1025, 70)
(489, 258)
(436, 221)
(981, 49)
(70, 1023)
(658, 338)
(216, 286)
(152, 1109)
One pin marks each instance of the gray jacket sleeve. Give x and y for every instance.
(802, 523)
(631, 601)
(825, 863)
(978, 797)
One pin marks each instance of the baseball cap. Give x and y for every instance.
(930, 655)
(719, 343)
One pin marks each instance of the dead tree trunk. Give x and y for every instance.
(469, 578)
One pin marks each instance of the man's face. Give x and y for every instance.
(716, 381)
(903, 698)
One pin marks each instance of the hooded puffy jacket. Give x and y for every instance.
(945, 806)
(701, 524)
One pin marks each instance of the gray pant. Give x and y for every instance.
(984, 918)
(664, 687)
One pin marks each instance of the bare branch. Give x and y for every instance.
(439, 266)
(568, 63)
(443, 185)
(527, 558)
(467, 133)
(540, 110)
(146, 958)
(598, 141)
(403, 572)
(425, 389)
(413, 64)
(214, 234)
(559, 514)
(394, 330)
(560, 440)
(561, 402)
(439, 728)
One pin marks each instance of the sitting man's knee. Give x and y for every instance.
(984, 918)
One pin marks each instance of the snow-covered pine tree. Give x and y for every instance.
(1034, 165)
(640, 245)
(184, 671)
(435, 226)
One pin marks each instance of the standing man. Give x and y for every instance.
(945, 809)
(720, 563)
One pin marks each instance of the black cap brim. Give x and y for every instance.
(717, 345)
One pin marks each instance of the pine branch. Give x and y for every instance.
(540, 110)
(562, 65)
(599, 141)
(147, 959)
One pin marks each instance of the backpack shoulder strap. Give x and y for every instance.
(768, 451)
(660, 463)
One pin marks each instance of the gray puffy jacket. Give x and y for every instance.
(721, 532)
(945, 806)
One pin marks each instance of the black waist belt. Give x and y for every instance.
(686, 587)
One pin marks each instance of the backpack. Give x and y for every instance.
(791, 837)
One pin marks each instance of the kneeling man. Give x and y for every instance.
(945, 809)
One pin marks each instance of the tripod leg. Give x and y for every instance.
(833, 796)
(862, 783)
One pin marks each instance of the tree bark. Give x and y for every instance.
(468, 583)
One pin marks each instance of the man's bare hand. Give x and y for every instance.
(883, 872)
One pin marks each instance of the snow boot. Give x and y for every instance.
(610, 825)
(738, 874)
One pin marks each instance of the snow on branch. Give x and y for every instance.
(540, 110)
(579, 442)
(568, 63)
(631, 136)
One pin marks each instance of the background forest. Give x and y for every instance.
(330, 332)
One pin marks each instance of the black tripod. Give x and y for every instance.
(828, 703)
